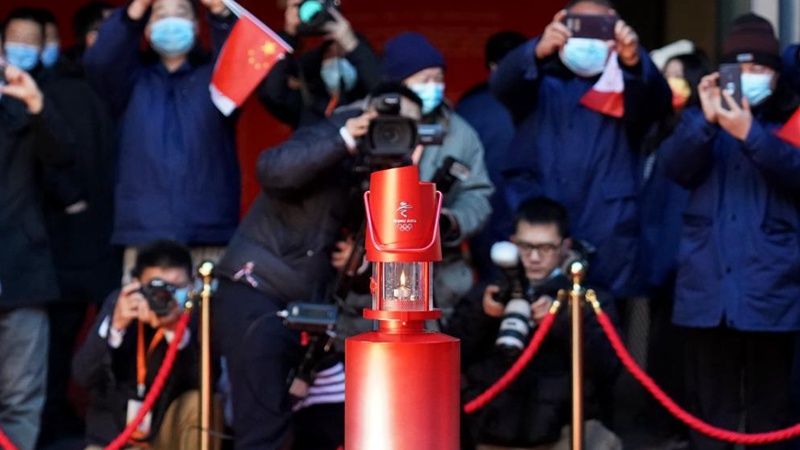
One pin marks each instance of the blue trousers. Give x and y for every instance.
(24, 336)
(260, 352)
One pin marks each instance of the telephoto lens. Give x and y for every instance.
(516, 324)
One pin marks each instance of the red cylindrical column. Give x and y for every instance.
(402, 381)
(402, 391)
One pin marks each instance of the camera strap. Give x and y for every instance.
(332, 105)
(141, 357)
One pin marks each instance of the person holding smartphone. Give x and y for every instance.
(739, 258)
(583, 158)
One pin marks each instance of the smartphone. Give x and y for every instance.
(3, 80)
(730, 80)
(593, 26)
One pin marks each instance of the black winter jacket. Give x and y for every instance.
(28, 143)
(289, 233)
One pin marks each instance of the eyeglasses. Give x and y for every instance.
(543, 249)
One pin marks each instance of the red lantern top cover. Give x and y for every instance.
(402, 217)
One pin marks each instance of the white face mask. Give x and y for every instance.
(338, 73)
(756, 87)
(585, 57)
(431, 95)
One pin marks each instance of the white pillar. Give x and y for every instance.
(769, 9)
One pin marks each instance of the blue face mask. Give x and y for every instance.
(23, 56)
(49, 55)
(585, 57)
(756, 87)
(431, 95)
(336, 72)
(182, 296)
(172, 36)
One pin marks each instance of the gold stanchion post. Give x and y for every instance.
(206, 272)
(576, 300)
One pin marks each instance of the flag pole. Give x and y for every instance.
(240, 11)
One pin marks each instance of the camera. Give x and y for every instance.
(314, 318)
(313, 15)
(160, 296)
(515, 326)
(390, 137)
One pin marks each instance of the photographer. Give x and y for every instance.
(281, 253)
(304, 89)
(568, 147)
(126, 347)
(534, 409)
(738, 269)
(411, 59)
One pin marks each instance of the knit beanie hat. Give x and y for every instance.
(408, 53)
(752, 39)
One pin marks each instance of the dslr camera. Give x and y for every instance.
(516, 324)
(313, 15)
(160, 296)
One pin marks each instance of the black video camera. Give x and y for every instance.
(315, 318)
(391, 138)
(160, 296)
(313, 15)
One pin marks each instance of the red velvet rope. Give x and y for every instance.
(677, 411)
(5, 442)
(523, 360)
(158, 385)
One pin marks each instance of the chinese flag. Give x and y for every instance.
(246, 58)
(606, 96)
(790, 132)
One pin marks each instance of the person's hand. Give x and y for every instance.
(339, 30)
(216, 7)
(492, 307)
(291, 17)
(20, 85)
(343, 251)
(554, 37)
(540, 308)
(416, 155)
(358, 126)
(138, 8)
(709, 94)
(627, 44)
(127, 308)
(735, 120)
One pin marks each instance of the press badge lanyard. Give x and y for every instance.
(141, 358)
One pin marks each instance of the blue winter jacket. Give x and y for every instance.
(586, 160)
(790, 69)
(739, 256)
(494, 126)
(178, 172)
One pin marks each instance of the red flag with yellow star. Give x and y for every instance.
(246, 58)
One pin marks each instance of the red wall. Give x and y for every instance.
(458, 27)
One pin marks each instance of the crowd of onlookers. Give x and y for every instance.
(677, 182)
